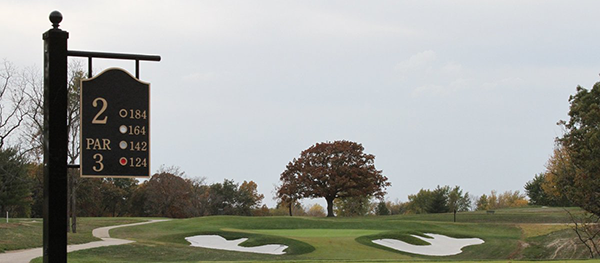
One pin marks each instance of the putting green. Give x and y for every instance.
(332, 243)
(329, 233)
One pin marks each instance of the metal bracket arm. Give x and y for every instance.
(93, 54)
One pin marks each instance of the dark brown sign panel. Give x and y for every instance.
(115, 125)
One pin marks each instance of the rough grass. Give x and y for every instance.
(28, 233)
(20, 235)
(561, 244)
(534, 230)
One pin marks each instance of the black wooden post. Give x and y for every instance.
(55, 142)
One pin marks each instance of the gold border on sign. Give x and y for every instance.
(81, 128)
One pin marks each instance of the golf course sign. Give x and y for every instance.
(115, 125)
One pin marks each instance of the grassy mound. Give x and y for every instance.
(402, 236)
(295, 247)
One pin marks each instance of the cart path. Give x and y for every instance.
(26, 255)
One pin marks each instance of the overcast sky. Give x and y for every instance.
(463, 93)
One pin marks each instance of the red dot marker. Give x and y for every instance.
(123, 161)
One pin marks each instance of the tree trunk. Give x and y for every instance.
(329, 206)
(74, 206)
(290, 207)
(454, 215)
(69, 188)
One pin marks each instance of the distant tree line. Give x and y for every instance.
(169, 195)
(508, 199)
(446, 199)
(440, 200)
(165, 194)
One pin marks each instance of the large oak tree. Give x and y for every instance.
(333, 170)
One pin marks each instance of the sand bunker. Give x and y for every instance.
(218, 242)
(439, 245)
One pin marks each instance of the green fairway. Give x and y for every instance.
(331, 239)
(334, 243)
(512, 234)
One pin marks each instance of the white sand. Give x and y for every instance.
(439, 245)
(218, 242)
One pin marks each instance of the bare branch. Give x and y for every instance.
(12, 100)
(587, 231)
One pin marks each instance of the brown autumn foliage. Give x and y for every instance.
(247, 199)
(558, 169)
(332, 170)
(168, 195)
(316, 210)
(288, 192)
(508, 199)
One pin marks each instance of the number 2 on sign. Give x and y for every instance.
(97, 119)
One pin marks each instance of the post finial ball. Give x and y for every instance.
(55, 17)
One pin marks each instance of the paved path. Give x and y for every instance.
(26, 255)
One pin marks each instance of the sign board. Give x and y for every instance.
(115, 125)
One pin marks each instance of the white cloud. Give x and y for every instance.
(452, 68)
(338, 24)
(504, 82)
(429, 89)
(419, 61)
